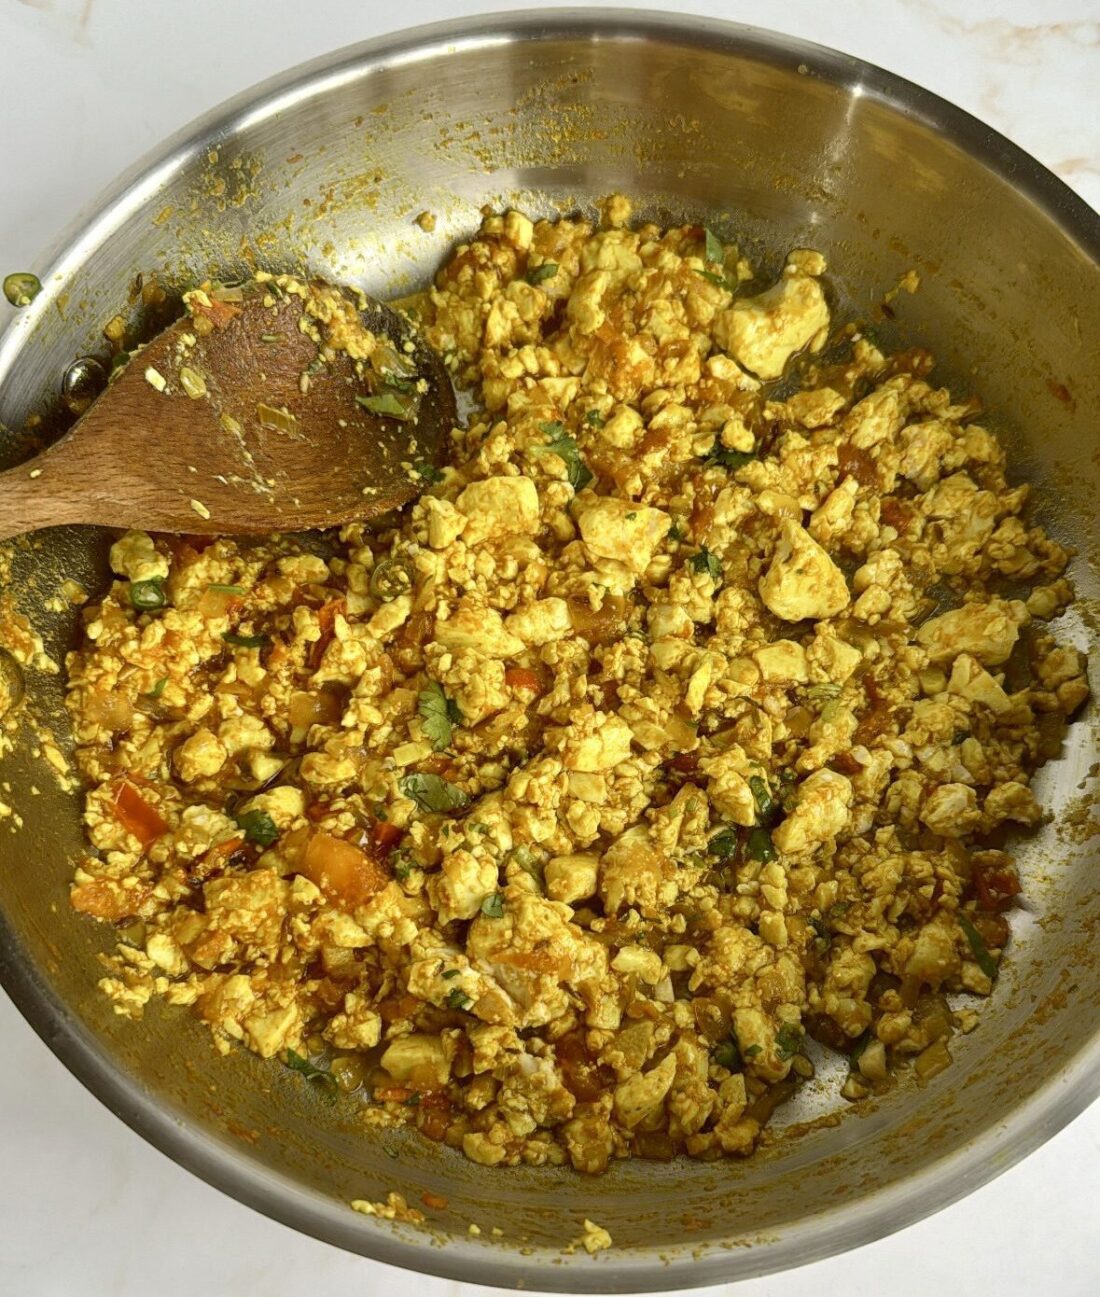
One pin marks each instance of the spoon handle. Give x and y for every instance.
(32, 498)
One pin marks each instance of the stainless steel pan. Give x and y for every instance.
(776, 143)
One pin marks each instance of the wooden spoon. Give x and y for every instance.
(236, 419)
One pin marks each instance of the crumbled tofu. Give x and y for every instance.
(553, 813)
(802, 581)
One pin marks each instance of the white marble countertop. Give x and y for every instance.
(85, 1206)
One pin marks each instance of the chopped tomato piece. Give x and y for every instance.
(135, 814)
(104, 898)
(218, 313)
(225, 849)
(343, 871)
(995, 888)
(393, 1094)
(522, 678)
(386, 835)
(326, 616)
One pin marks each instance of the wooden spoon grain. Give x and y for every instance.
(258, 449)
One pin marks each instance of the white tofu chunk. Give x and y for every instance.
(499, 506)
(474, 626)
(762, 333)
(802, 580)
(820, 812)
(987, 631)
(617, 529)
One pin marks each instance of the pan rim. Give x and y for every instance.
(944, 1180)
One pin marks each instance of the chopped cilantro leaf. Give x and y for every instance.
(438, 714)
(566, 449)
(297, 1063)
(705, 561)
(458, 999)
(433, 793)
(751, 1051)
(724, 457)
(594, 419)
(428, 472)
(157, 689)
(715, 253)
(258, 827)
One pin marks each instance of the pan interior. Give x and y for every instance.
(775, 146)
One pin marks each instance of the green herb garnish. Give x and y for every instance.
(148, 595)
(723, 457)
(299, 1064)
(493, 906)
(566, 449)
(438, 714)
(723, 844)
(157, 689)
(858, 1048)
(712, 278)
(594, 419)
(427, 472)
(388, 404)
(788, 1040)
(751, 1051)
(21, 288)
(727, 1055)
(982, 957)
(433, 793)
(676, 532)
(766, 808)
(539, 274)
(458, 999)
(820, 695)
(226, 589)
(448, 973)
(715, 253)
(400, 383)
(706, 562)
(760, 846)
(245, 641)
(258, 827)
(413, 1101)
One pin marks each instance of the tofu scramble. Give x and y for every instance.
(677, 725)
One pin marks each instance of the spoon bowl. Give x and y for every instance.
(240, 418)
